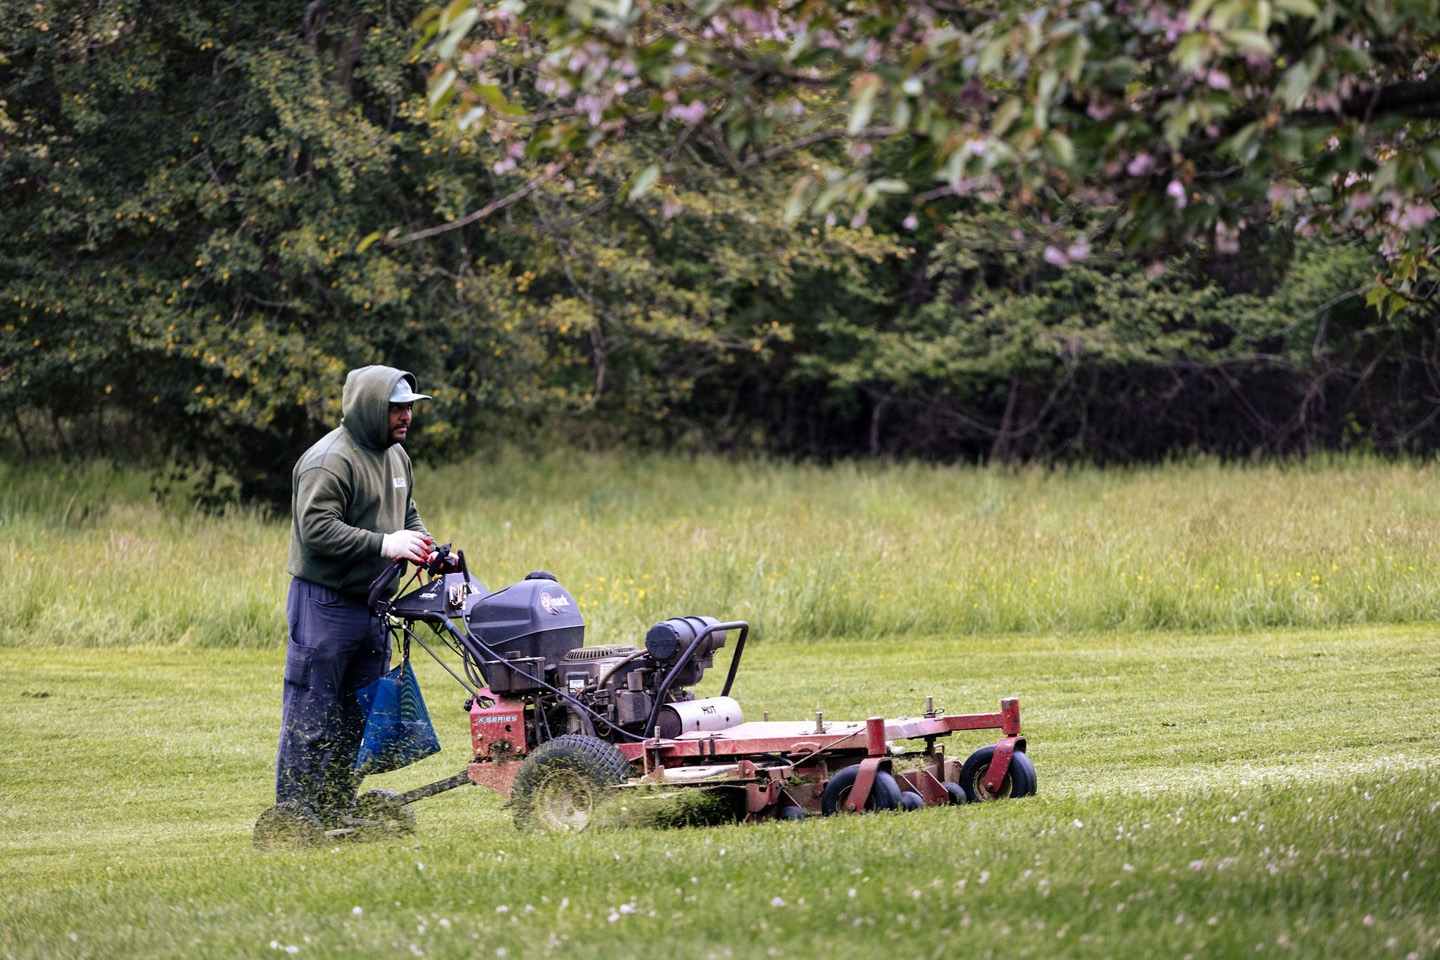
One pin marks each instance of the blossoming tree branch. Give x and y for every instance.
(1187, 123)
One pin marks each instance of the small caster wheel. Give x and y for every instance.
(911, 801)
(1022, 762)
(790, 813)
(953, 789)
(884, 794)
(1019, 780)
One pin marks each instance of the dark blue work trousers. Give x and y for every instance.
(336, 647)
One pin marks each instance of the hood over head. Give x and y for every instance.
(365, 404)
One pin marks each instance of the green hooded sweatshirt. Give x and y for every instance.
(351, 488)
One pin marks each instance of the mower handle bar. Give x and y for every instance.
(436, 565)
(380, 584)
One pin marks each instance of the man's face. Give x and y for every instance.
(399, 421)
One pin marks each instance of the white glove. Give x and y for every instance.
(405, 545)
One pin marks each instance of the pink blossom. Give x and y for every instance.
(1414, 215)
(592, 107)
(1078, 250)
(692, 112)
(1053, 255)
(479, 53)
(910, 222)
(1176, 190)
(1099, 112)
(1141, 165)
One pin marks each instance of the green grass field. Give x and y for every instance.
(1243, 770)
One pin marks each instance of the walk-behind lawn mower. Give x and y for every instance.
(561, 728)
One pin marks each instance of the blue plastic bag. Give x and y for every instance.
(397, 726)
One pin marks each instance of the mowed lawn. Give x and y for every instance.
(1201, 794)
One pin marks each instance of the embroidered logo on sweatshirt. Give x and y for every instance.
(399, 481)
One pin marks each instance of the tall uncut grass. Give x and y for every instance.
(802, 552)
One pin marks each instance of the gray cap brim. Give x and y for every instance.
(405, 393)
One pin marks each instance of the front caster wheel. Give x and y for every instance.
(884, 794)
(1019, 780)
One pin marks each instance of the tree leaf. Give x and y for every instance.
(1294, 85)
(1252, 40)
(453, 10)
(1197, 12)
(865, 88)
(458, 29)
(643, 181)
(1060, 148)
(795, 205)
(1005, 116)
(440, 85)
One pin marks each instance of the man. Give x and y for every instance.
(352, 513)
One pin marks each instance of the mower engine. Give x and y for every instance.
(528, 641)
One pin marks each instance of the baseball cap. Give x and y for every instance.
(404, 392)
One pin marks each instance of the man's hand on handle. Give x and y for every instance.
(406, 545)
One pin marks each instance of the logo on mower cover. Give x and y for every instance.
(553, 605)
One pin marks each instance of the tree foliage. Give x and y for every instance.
(212, 211)
(1188, 121)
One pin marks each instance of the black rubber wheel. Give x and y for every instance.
(884, 795)
(559, 786)
(953, 789)
(1021, 762)
(286, 826)
(1019, 777)
(911, 801)
(384, 807)
(791, 813)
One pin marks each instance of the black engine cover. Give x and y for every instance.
(532, 618)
